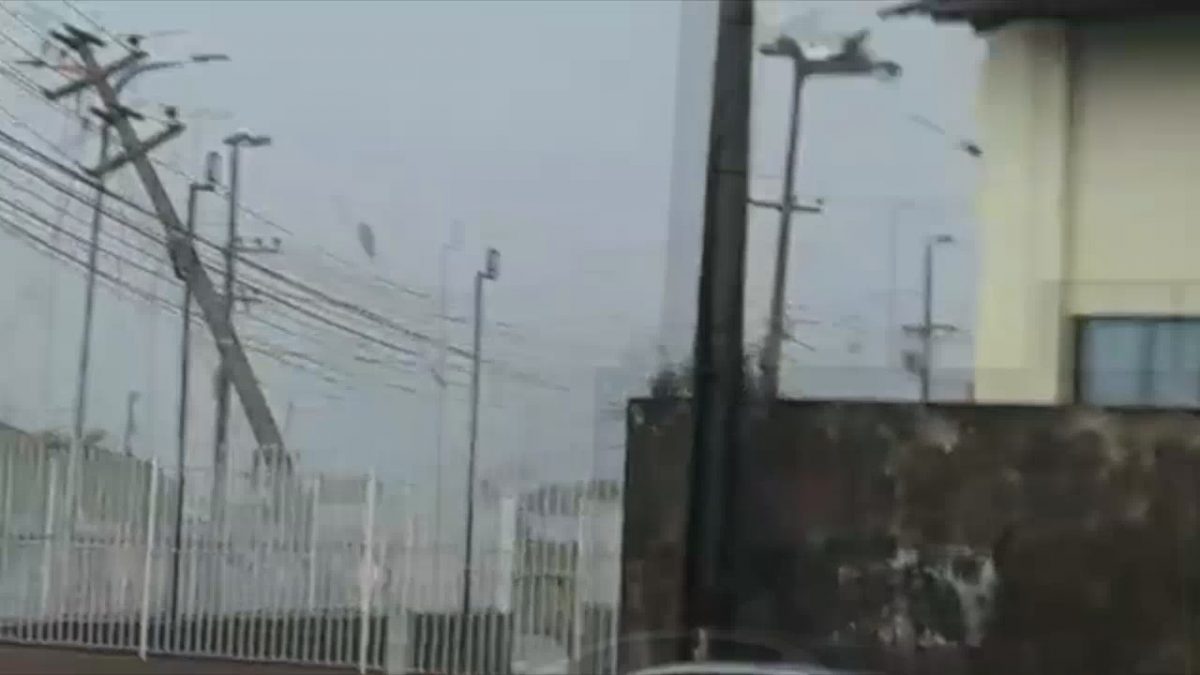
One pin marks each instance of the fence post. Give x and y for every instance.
(313, 531)
(397, 656)
(366, 578)
(578, 588)
(506, 566)
(48, 535)
(148, 565)
(6, 533)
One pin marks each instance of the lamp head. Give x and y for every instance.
(491, 269)
(212, 168)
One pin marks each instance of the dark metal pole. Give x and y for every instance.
(772, 351)
(85, 340)
(181, 429)
(221, 437)
(719, 385)
(127, 435)
(927, 321)
(472, 452)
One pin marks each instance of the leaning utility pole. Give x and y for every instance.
(179, 247)
(718, 386)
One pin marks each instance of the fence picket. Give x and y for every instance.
(317, 569)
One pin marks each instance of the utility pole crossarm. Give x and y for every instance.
(920, 329)
(262, 422)
(153, 142)
(797, 207)
(94, 77)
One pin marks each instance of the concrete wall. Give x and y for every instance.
(960, 539)
(1090, 164)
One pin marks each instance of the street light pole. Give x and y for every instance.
(490, 272)
(773, 347)
(927, 326)
(221, 436)
(212, 165)
(85, 340)
(850, 58)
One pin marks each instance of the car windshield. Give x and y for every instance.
(514, 337)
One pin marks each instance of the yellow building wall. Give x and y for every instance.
(1091, 198)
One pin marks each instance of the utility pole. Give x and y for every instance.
(719, 386)
(212, 168)
(772, 350)
(182, 252)
(927, 327)
(490, 272)
(850, 59)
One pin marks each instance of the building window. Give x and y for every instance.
(1139, 361)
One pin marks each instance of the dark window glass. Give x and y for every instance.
(1144, 361)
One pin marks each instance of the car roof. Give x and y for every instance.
(738, 668)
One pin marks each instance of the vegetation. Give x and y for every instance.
(675, 380)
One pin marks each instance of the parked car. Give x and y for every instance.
(743, 668)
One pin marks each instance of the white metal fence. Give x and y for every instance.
(317, 569)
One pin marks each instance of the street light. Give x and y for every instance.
(490, 272)
(128, 75)
(212, 171)
(966, 145)
(927, 326)
(849, 58)
(235, 142)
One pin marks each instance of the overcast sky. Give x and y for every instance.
(550, 131)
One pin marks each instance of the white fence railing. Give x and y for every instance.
(315, 569)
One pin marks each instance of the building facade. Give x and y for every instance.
(1089, 290)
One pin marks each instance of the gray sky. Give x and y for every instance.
(544, 129)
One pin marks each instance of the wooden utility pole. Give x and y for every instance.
(719, 377)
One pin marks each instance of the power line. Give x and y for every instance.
(279, 276)
(20, 79)
(24, 209)
(16, 43)
(354, 308)
(277, 295)
(269, 294)
(253, 264)
(36, 134)
(273, 351)
(96, 24)
(347, 305)
(79, 219)
(42, 36)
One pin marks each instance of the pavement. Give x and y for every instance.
(63, 661)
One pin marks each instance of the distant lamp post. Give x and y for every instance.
(924, 361)
(848, 58)
(490, 272)
(235, 142)
(212, 178)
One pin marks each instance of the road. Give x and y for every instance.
(58, 661)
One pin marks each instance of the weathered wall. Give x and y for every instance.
(1026, 539)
